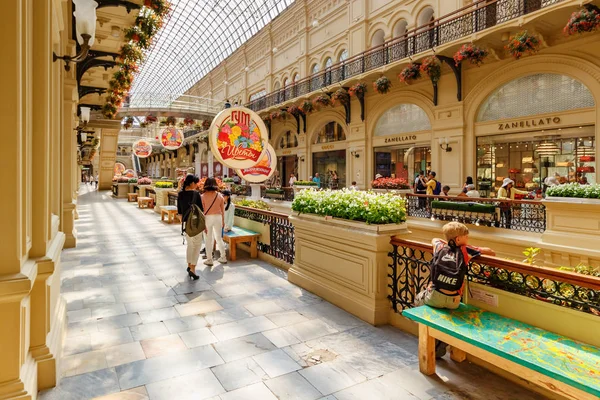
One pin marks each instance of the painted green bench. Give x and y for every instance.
(557, 363)
(241, 235)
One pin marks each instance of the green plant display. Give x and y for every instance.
(274, 191)
(530, 254)
(368, 207)
(305, 183)
(583, 269)
(132, 180)
(227, 180)
(575, 190)
(163, 185)
(258, 204)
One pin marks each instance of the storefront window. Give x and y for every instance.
(535, 94)
(332, 132)
(329, 164)
(568, 155)
(401, 119)
(288, 140)
(288, 165)
(405, 163)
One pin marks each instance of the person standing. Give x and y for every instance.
(292, 180)
(187, 196)
(468, 181)
(227, 104)
(507, 192)
(432, 185)
(421, 188)
(353, 187)
(317, 180)
(96, 181)
(214, 215)
(471, 192)
(229, 211)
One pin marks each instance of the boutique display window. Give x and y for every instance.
(332, 132)
(330, 164)
(566, 155)
(402, 162)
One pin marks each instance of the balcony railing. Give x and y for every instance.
(461, 23)
(518, 215)
(409, 275)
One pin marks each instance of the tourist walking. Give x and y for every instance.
(214, 215)
(187, 196)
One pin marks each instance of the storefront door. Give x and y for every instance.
(328, 164)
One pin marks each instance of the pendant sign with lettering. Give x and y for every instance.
(119, 168)
(261, 171)
(142, 148)
(238, 137)
(171, 138)
(529, 123)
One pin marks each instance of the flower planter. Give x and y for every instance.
(142, 190)
(298, 188)
(162, 198)
(573, 222)
(120, 190)
(345, 262)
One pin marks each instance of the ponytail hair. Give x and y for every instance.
(228, 194)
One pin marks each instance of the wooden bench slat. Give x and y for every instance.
(236, 231)
(563, 359)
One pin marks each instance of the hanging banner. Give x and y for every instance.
(142, 148)
(129, 173)
(261, 171)
(119, 168)
(171, 138)
(238, 137)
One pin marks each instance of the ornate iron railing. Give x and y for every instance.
(172, 198)
(281, 232)
(409, 275)
(518, 215)
(461, 23)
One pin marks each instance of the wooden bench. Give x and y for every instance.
(241, 235)
(132, 197)
(554, 362)
(145, 202)
(170, 212)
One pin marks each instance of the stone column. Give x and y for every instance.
(108, 152)
(69, 159)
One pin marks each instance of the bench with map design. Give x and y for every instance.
(240, 235)
(554, 362)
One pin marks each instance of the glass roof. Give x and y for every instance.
(198, 35)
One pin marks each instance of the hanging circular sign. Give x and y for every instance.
(238, 137)
(171, 138)
(129, 173)
(261, 171)
(142, 148)
(119, 168)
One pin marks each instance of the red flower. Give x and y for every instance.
(223, 137)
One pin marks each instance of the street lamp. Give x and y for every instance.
(85, 25)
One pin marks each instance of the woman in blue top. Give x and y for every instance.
(317, 180)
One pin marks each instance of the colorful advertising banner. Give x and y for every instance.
(261, 171)
(142, 148)
(171, 138)
(238, 137)
(119, 168)
(129, 173)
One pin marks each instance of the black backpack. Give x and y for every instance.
(438, 188)
(448, 268)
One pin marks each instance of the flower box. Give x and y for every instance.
(572, 222)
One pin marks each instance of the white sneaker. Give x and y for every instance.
(222, 260)
(209, 263)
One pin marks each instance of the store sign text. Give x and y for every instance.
(328, 147)
(530, 123)
(397, 139)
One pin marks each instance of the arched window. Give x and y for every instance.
(535, 94)
(257, 95)
(315, 68)
(288, 140)
(296, 78)
(328, 62)
(276, 86)
(402, 118)
(425, 16)
(314, 82)
(399, 28)
(343, 55)
(332, 132)
(378, 38)
(285, 82)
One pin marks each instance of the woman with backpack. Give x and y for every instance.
(187, 197)
(214, 214)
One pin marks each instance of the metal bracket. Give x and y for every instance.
(85, 90)
(118, 3)
(457, 74)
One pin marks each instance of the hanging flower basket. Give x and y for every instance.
(341, 96)
(584, 20)
(522, 43)
(382, 85)
(294, 110)
(128, 122)
(151, 119)
(109, 110)
(307, 107)
(171, 121)
(148, 22)
(432, 67)
(470, 52)
(160, 7)
(188, 121)
(144, 124)
(206, 124)
(411, 73)
(358, 89)
(137, 36)
(131, 53)
(323, 100)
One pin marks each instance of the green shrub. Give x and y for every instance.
(227, 180)
(163, 185)
(133, 180)
(258, 204)
(305, 183)
(369, 207)
(274, 191)
(574, 190)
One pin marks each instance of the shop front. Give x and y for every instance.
(536, 130)
(402, 142)
(329, 156)
(287, 156)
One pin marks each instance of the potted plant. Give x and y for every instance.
(354, 228)
(341, 96)
(411, 73)
(294, 110)
(522, 43)
(143, 183)
(391, 184)
(171, 121)
(258, 204)
(159, 7)
(470, 52)
(301, 185)
(432, 67)
(206, 124)
(359, 89)
(307, 107)
(585, 20)
(150, 118)
(128, 122)
(322, 100)
(382, 85)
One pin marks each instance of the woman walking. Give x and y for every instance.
(214, 214)
(187, 196)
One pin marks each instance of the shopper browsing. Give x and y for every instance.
(317, 180)
(187, 197)
(214, 207)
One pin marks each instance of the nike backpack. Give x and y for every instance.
(438, 188)
(448, 268)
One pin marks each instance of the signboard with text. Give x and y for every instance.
(261, 171)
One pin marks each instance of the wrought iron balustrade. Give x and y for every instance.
(409, 275)
(480, 15)
(281, 232)
(518, 215)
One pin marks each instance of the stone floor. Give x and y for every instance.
(138, 328)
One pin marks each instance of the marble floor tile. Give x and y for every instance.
(276, 363)
(195, 386)
(198, 308)
(114, 337)
(310, 329)
(240, 373)
(202, 296)
(118, 322)
(243, 347)
(79, 315)
(198, 337)
(83, 362)
(108, 310)
(81, 328)
(162, 314)
(256, 391)
(84, 386)
(78, 344)
(227, 315)
(293, 386)
(280, 337)
(375, 389)
(184, 324)
(138, 393)
(124, 354)
(287, 318)
(241, 328)
(332, 376)
(162, 345)
(265, 307)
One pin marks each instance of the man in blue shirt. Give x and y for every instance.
(317, 180)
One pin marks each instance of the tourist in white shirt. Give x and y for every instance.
(353, 187)
(471, 192)
(292, 179)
